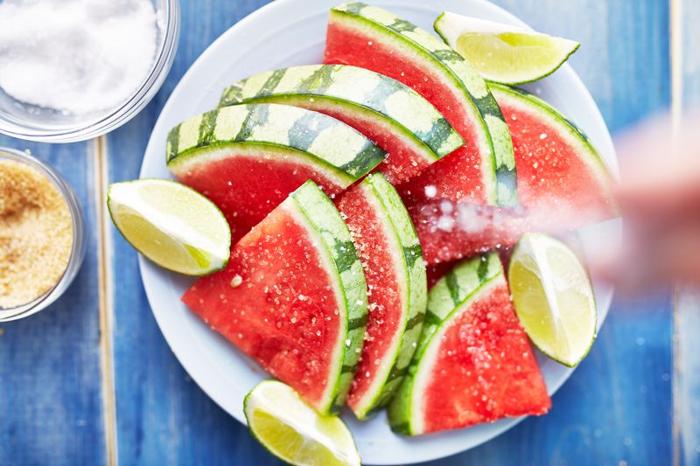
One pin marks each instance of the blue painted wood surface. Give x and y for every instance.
(615, 410)
(50, 383)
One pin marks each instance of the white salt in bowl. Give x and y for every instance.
(34, 123)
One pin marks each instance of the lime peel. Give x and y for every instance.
(292, 431)
(503, 53)
(553, 298)
(171, 224)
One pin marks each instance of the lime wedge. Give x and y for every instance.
(553, 298)
(171, 224)
(292, 431)
(502, 53)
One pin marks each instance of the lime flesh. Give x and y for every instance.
(291, 430)
(503, 53)
(553, 298)
(171, 224)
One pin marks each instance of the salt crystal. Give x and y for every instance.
(446, 207)
(543, 136)
(77, 57)
(236, 281)
(445, 223)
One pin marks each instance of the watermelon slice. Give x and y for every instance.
(562, 183)
(395, 272)
(560, 173)
(248, 158)
(412, 132)
(378, 40)
(293, 297)
(474, 362)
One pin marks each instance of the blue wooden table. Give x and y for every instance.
(91, 381)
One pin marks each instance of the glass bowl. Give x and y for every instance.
(35, 123)
(77, 253)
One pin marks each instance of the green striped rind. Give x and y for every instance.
(324, 218)
(354, 90)
(497, 147)
(447, 298)
(405, 240)
(308, 136)
(503, 93)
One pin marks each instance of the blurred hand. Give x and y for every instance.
(659, 199)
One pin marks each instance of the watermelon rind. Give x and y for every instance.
(469, 280)
(320, 215)
(495, 144)
(566, 128)
(411, 269)
(310, 138)
(356, 91)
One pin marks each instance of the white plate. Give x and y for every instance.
(292, 32)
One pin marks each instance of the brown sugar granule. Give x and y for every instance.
(36, 234)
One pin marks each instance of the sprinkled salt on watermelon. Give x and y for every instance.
(398, 119)
(395, 272)
(248, 158)
(561, 176)
(293, 297)
(562, 183)
(376, 39)
(474, 363)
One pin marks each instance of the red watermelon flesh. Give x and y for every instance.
(485, 369)
(449, 231)
(227, 183)
(274, 302)
(385, 295)
(459, 173)
(554, 181)
(561, 184)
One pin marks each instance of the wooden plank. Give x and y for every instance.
(162, 416)
(51, 401)
(614, 410)
(686, 381)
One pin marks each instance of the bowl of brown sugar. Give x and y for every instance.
(42, 241)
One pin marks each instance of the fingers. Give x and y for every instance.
(660, 171)
(649, 260)
(659, 199)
